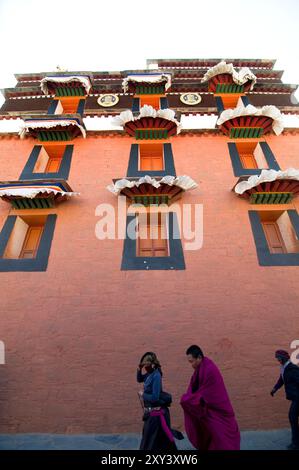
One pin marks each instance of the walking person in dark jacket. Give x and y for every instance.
(289, 377)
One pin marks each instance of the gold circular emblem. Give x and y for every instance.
(190, 98)
(108, 100)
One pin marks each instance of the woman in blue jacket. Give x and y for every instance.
(157, 434)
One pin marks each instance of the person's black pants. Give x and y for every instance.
(293, 417)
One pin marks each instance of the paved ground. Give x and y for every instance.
(251, 440)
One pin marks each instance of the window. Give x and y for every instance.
(67, 105)
(151, 100)
(157, 246)
(249, 157)
(152, 239)
(276, 237)
(50, 159)
(151, 157)
(25, 237)
(25, 242)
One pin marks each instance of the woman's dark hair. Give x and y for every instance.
(195, 351)
(152, 358)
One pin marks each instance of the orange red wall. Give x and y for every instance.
(75, 333)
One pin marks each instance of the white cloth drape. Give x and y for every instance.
(147, 78)
(48, 124)
(269, 111)
(266, 176)
(32, 192)
(184, 182)
(241, 77)
(147, 111)
(85, 82)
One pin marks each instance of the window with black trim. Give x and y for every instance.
(276, 236)
(152, 100)
(152, 245)
(249, 157)
(52, 160)
(67, 105)
(25, 242)
(153, 159)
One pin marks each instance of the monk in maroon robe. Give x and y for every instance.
(210, 421)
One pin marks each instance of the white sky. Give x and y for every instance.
(36, 35)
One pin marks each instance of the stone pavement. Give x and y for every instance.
(251, 440)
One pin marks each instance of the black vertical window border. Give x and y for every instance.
(237, 164)
(175, 260)
(64, 170)
(169, 168)
(40, 262)
(265, 257)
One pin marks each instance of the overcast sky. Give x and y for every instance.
(103, 35)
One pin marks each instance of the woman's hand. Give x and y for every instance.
(140, 393)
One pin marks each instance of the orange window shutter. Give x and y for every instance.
(274, 238)
(31, 242)
(155, 243)
(248, 160)
(151, 100)
(151, 157)
(53, 165)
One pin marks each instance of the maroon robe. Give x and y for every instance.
(209, 417)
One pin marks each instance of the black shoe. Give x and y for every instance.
(293, 447)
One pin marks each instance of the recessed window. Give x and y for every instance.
(152, 235)
(25, 242)
(251, 155)
(276, 237)
(49, 159)
(67, 105)
(279, 232)
(151, 157)
(151, 100)
(152, 244)
(25, 237)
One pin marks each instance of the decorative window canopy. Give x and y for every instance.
(223, 78)
(66, 85)
(147, 83)
(147, 190)
(249, 121)
(35, 194)
(270, 187)
(150, 124)
(55, 129)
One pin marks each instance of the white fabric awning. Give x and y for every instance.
(241, 77)
(48, 124)
(85, 82)
(31, 193)
(184, 182)
(147, 111)
(266, 176)
(147, 78)
(269, 111)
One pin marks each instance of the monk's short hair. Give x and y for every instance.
(195, 351)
